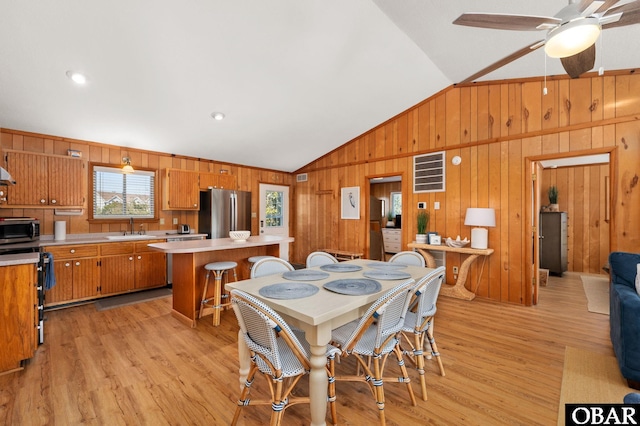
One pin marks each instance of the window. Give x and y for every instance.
(117, 195)
(396, 203)
(274, 208)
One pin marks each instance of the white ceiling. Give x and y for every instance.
(295, 79)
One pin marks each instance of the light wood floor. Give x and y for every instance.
(138, 365)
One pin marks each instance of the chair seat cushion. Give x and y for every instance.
(220, 266)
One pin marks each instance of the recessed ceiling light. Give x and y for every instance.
(217, 116)
(77, 77)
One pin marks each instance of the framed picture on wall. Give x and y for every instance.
(350, 203)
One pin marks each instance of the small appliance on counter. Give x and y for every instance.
(184, 229)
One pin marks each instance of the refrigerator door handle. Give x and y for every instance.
(234, 212)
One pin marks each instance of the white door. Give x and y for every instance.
(274, 213)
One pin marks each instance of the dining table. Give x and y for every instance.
(318, 300)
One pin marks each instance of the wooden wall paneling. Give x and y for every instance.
(604, 243)
(465, 115)
(550, 106)
(502, 222)
(440, 122)
(563, 99)
(577, 221)
(516, 221)
(628, 193)
(626, 100)
(33, 144)
(580, 100)
(493, 116)
(481, 118)
(597, 93)
(514, 121)
(452, 118)
(609, 97)
(402, 134)
(594, 223)
(531, 106)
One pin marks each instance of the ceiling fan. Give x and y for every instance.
(571, 33)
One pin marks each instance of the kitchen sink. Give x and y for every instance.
(129, 237)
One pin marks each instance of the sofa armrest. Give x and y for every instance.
(624, 268)
(625, 329)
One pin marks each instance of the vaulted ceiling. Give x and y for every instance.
(295, 79)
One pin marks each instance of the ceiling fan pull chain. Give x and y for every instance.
(600, 54)
(544, 90)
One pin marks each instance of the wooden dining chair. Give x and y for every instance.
(410, 258)
(319, 258)
(279, 353)
(418, 323)
(270, 266)
(373, 337)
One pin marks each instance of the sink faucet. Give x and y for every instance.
(131, 223)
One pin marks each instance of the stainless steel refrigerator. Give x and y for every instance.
(223, 210)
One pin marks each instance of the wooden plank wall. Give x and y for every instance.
(248, 179)
(582, 194)
(494, 128)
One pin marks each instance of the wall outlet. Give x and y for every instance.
(422, 205)
(162, 221)
(436, 205)
(455, 270)
(175, 220)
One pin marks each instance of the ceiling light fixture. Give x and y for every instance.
(217, 116)
(572, 38)
(76, 77)
(126, 169)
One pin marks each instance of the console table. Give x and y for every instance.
(457, 290)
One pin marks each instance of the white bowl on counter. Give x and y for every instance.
(239, 236)
(456, 243)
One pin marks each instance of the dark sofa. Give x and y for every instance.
(625, 315)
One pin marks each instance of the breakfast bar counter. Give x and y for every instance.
(189, 258)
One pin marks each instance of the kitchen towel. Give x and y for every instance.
(60, 230)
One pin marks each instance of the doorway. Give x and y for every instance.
(385, 200)
(274, 213)
(585, 179)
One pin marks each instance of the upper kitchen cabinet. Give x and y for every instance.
(44, 180)
(215, 180)
(180, 190)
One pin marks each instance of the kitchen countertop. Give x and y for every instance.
(102, 238)
(196, 246)
(19, 259)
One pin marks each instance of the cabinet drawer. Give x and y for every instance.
(141, 247)
(116, 248)
(392, 248)
(73, 251)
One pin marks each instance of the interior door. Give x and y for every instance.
(274, 212)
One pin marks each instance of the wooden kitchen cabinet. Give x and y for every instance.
(76, 268)
(180, 190)
(392, 240)
(150, 266)
(116, 268)
(217, 180)
(44, 180)
(18, 316)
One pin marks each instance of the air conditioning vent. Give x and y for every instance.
(302, 177)
(428, 172)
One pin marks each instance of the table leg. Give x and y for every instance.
(428, 258)
(244, 356)
(318, 383)
(458, 290)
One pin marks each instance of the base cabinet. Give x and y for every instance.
(18, 315)
(90, 271)
(392, 240)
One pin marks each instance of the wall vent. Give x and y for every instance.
(428, 172)
(302, 177)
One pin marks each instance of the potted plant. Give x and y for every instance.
(422, 220)
(390, 223)
(553, 199)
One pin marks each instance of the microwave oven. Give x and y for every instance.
(19, 229)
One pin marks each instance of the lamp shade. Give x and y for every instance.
(572, 38)
(480, 217)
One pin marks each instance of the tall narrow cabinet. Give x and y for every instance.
(553, 242)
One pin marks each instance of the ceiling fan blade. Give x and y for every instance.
(588, 7)
(504, 61)
(630, 16)
(580, 62)
(503, 21)
(608, 4)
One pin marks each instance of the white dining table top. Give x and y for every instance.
(324, 306)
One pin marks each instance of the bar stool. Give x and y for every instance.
(218, 269)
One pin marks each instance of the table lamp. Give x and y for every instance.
(480, 217)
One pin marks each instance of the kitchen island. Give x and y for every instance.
(189, 258)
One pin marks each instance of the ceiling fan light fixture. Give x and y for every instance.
(572, 38)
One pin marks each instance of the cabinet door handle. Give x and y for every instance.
(130, 257)
(72, 251)
(77, 263)
(42, 201)
(139, 257)
(53, 201)
(67, 264)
